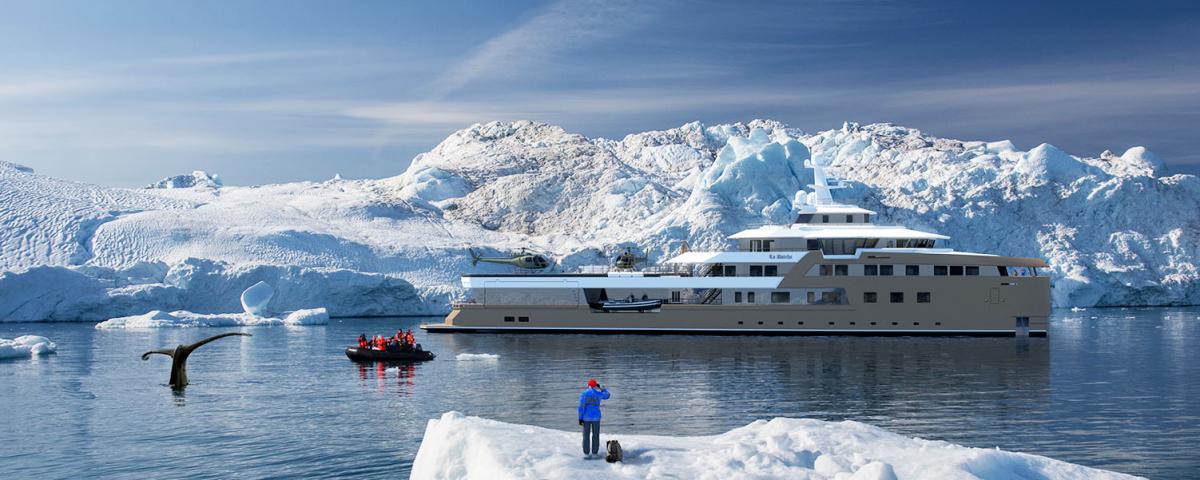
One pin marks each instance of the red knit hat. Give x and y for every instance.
(593, 383)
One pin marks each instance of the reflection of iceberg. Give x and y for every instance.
(26, 346)
(183, 318)
(456, 446)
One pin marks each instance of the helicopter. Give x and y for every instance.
(628, 260)
(525, 259)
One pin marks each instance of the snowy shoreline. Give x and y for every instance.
(459, 446)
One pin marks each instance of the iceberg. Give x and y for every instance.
(26, 346)
(255, 298)
(184, 319)
(458, 446)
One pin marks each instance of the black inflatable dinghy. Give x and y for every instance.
(372, 355)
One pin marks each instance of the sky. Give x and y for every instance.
(124, 93)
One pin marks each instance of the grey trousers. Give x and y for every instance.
(592, 430)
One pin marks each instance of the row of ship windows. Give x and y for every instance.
(826, 270)
(896, 297)
(754, 270)
(831, 298)
(516, 319)
(835, 297)
(894, 324)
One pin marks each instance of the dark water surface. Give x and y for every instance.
(1110, 388)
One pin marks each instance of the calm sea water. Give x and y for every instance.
(1110, 388)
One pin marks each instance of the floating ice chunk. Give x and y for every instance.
(1077, 309)
(468, 357)
(183, 318)
(457, 446)
(26, 346)
(256, 298)
(308, 316)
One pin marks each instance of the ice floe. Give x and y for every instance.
(183, 318)
(462, 447)
(26, 346)
(468, 357)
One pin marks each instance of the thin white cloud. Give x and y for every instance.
(563, 25)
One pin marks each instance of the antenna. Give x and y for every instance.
(822, 184)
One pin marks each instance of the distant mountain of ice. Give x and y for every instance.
(198, 178)
(1117, 229)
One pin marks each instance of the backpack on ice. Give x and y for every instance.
(614, 451)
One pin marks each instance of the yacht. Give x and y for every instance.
(833, 271)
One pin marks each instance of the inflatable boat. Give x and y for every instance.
(372, 355)
(630, 306)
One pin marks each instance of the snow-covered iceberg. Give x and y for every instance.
(183, 318)
(457, 446)
(26, 346)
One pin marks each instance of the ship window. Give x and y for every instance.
(849, 218)
(885, 270)
(755, 245)
(824, 218)
(841, 270)
(897, 297)
(829, 297)
(814, 244)
(522, 319)
(826, 270)
(675, 297)
(973, 271)
(731, 270)
(737, 297)
(715, 270)
(911, 270)
(781, 297)
(922, 297)
(766, 246)
(812, 298)
(740, 322)
(771, 271)
(873, 323)
(805, 218)
(939, 270)
(937, 323)
(866, 218)
(510, 319)
(956, 270)
(1003, 271)
(869, 297)
(870, 270)
(756, 270)
(749, 297)
(894, 324)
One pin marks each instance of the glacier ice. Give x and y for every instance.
(255, 298)
(1116, 229)
(26, 346)
(459, 446)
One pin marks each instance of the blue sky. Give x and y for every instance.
(124, 93)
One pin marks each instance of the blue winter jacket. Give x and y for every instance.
(589, 404)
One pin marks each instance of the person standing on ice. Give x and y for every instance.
(589, 416)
